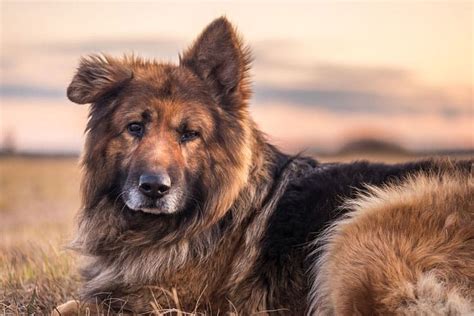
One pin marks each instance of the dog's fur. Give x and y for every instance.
(404, 249)
(235, 233)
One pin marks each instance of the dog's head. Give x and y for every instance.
(163, 138)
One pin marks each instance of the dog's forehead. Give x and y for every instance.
(166, 92)
(168, 81)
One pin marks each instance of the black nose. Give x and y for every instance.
(154, 185)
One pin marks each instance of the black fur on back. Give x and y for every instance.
(313, 200)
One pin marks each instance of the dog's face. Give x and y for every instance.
(162, 123)
(161, 137)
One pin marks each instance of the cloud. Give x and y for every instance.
(354, 88)
(280, 77)
(335, 100)
(148, 47)
(30, 91)
(349, 101)
(331, 75)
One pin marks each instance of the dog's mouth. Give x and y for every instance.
(136, 201)
(151, 210)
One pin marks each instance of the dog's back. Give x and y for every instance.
(405, 249)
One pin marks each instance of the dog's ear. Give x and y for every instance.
(219, 58)
(97, 76)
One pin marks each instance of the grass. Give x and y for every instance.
(38, 201)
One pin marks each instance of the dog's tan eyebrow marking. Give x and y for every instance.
(183, 126)
(146, 116)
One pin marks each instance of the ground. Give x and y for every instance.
(39, 198)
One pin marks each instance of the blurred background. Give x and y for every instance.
(341, 80)
(325, 73)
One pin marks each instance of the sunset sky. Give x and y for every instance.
(325, 72)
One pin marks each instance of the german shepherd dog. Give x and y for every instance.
(187, 206)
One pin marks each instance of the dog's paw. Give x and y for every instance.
(75, 308)
(70, 308)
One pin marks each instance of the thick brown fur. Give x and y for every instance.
(149, 250)
(233, 233)
(404, 249)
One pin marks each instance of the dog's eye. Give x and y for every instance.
(136, 129)
(188, 135)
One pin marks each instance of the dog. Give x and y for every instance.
(186, 206)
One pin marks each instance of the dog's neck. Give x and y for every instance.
(267, 165)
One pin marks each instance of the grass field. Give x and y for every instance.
(39, 198)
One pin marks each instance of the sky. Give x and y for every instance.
(325, 73)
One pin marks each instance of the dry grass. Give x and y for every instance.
(38, 200)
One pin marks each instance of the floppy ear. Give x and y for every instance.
(219, 58)
(96, 77)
